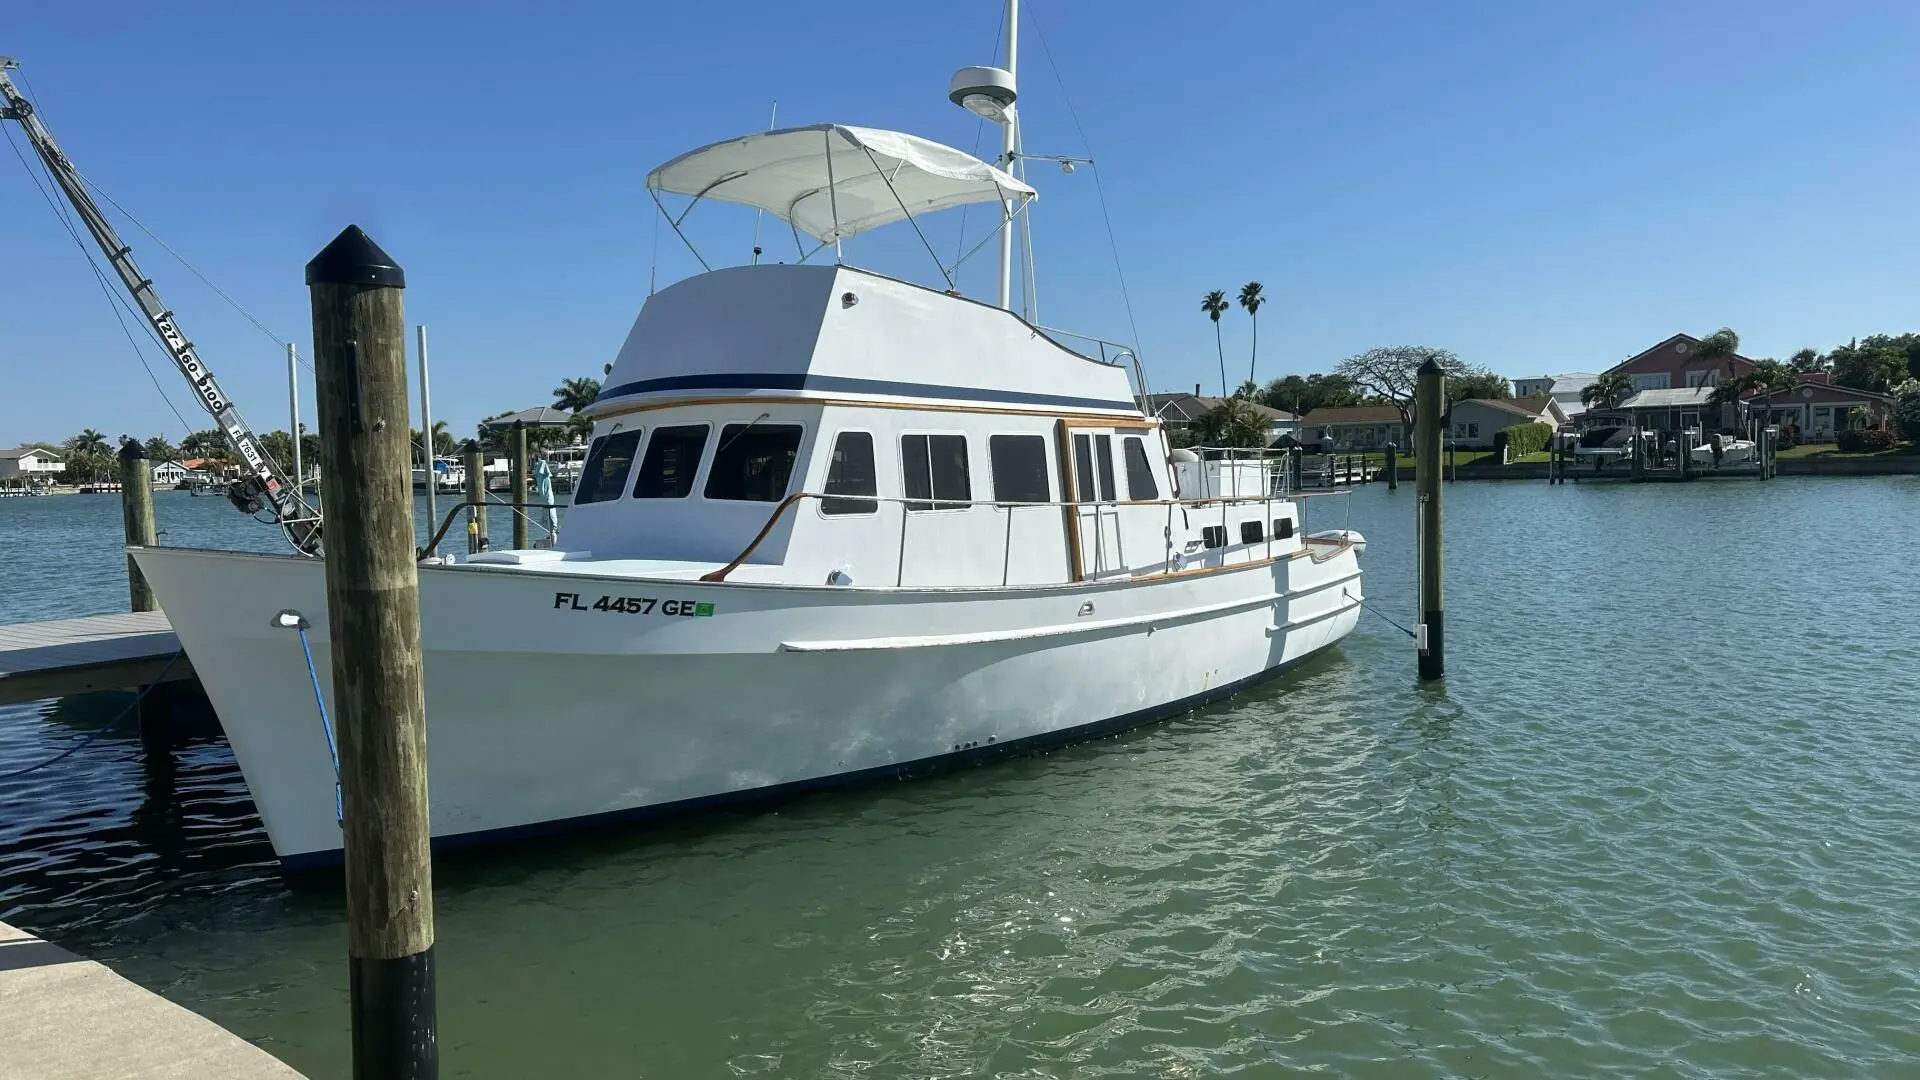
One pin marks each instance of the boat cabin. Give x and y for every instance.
(825, 425)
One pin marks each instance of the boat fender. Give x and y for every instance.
(1351, 536)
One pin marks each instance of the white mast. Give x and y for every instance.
(1009, 138)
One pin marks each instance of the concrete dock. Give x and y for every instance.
(72, 1019)
(78, 656)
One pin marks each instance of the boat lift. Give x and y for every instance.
(265, 487)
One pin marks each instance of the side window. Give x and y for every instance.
(1083, 489)
(673, 457)
(933, 469)
(1019, 468)
(1140, 482)
(1283, 528)
(604, 475)
(1213, 536)
(1252, 532)
(851, 473)
(754, 462)
(1103, 464)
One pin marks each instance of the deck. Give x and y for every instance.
(72, 1018)
(78, 656)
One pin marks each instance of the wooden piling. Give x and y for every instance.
(136, 513)
(1429, 400)
(476, 499)
(518, 485)
(373, 610)
(1393, 467)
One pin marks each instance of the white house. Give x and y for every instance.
(1475, 421)
(29, 464)
(173, 472)
(1564, 389)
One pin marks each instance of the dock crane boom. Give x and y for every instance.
(265, 486)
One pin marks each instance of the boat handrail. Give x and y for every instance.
(1223, 502)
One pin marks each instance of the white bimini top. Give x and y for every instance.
(832, 181)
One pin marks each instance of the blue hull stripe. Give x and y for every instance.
(770, 380)
(315, 860)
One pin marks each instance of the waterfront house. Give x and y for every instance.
(1674, 364)
(1473, 422)
(1817, 410)
(172, 473)
(29, 465)
(1564, 389)
(1354, 427)
(1669, 409)
(1184, 411)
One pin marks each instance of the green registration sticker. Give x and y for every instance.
(703, 610)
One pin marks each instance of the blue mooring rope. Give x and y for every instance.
(108, 726)
(339, 806)
(1378, 612)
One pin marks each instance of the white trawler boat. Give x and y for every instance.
(831, 526)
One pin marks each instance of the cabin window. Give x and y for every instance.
(673, 457)
(1083, 468)
(1019, 468)
(851, 472)
(1252, 532)
(1214, 536)
(1103, 464)
(1140, 482)
(934, 467)
(1283, 528)
(604, 476)
(754, 462)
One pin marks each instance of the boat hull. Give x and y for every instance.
(556, 700)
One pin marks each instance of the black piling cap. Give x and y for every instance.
(132, 450)
(354, 259)
(1431, 367)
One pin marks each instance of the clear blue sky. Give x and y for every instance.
(1539, 187)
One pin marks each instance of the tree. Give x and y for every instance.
(1875, 362)
(1249, 390)
(1234, 422)
(1807, 361)
(1913, 360)
(1215, 305)
(575, 394)
(159, 449)
(1251, 299)
(87, 442)
(1478, 383)
(1392, 373)
(1767, 376)
(209, 444)
(1906, 408)
(1719, 347)
(278, 445)
(1607, 391)
(1301, 396)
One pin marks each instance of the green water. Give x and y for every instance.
(1658, 821)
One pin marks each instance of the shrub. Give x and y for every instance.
(1866, 441)
(1522, 439)
(1906, 408)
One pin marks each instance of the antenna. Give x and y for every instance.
(758, 214)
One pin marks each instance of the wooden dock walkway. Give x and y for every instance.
(72, 1019)
(78, 656)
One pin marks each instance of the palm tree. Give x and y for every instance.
(1251, 299)
(1721, 346)
(159, 449)
(88, 441)
(1607, 391)
(1808, 360)
(575, 394)
(1215, 305)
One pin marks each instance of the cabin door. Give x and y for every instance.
(1096, 503)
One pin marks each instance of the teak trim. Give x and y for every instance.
(1069, 495)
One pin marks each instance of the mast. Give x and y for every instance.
(1009, 138)
(265, 486)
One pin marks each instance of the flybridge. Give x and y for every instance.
(265, 486)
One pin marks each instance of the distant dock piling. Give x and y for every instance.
(518, 485)
(136, 512)
(1393, 467)
(373, 608)
(476, 499)
(1429, 400)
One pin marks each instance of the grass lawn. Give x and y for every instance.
(1827, 450)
